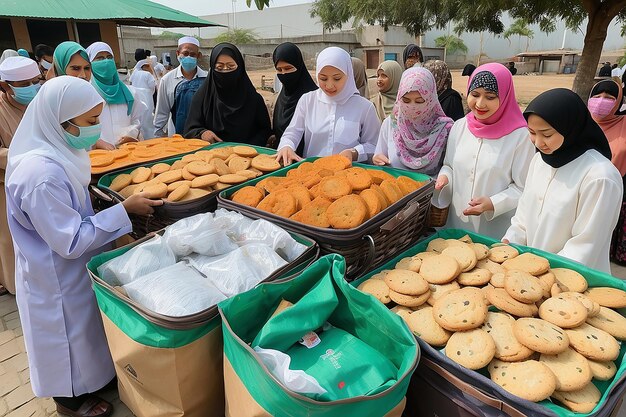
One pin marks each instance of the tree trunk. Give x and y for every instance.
(594, 41)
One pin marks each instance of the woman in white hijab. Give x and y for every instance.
(334, 119)
(55, 233)
(125, 117)
(144, 83)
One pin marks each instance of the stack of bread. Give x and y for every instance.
(328, 192)
(540, 331)
(195, 175)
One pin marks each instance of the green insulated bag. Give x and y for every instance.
(327, 350)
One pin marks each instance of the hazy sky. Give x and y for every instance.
(208, 7)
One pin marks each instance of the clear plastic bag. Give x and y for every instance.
(240, 270)
(201, 234)
(178, 290)
(245, 231)
(296, 380)
(150, 256)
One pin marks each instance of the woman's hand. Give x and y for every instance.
(139, 204)
(441, 182)
(287, 156)
(103, 144)
(380, 159)
(126, 139)
(210, 137)
(478, 206)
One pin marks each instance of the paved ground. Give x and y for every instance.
(16, 396)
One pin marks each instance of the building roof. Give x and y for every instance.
(556, 52)
(123, 12)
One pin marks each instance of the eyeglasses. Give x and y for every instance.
(226, 68)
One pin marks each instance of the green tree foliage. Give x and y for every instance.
(166, 34)
(452, 43)
(418, 16)
(519, 28)
(238, 36)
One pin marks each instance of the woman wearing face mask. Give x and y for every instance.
(19, 81)
(227, 106)
(604, 104)
(412, 56)
(43, 55)
(415, 135)
(70, 59)
(124, 118)
(296, 81)
(449, 98)
(487, 156)
(334, 119)
(387, 80)
(572, 198)
(360, 77)
(55, 233)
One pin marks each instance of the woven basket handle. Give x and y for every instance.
(411, 208)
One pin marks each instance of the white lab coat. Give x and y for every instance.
(330, 128)
(54, 237)
(116, 123)
(477, 167)
(571, 210)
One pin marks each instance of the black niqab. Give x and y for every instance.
(227, 104)
(295, 84)
(567, 114)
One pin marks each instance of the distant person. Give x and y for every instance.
(158, 68)
(173, 103)
(140, 54)
(412, 55)
(360, 77)
(511, 67)
(334, 119)
(227, 107)
(605, 71)
(388, 77)
(468, 70)
(296, 81)
(8, 53)
(450, 99)
(616, 71)
(144, 83)
(43, 56)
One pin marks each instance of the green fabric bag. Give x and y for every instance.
(356, 323)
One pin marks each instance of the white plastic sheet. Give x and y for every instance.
(201, 234)
(296, 380)
(178, 290)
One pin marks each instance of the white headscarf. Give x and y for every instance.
(40, 133)
(8, 53)
(136, 77)
(340, 59)
(97, 47)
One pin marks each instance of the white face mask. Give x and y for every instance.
(45, 64)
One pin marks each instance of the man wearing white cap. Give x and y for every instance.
(188, 53)
(19, 80)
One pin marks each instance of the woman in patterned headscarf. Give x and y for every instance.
(450, 99)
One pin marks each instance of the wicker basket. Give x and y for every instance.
(437, 217)
(367, 245)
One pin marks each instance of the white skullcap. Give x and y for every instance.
(18, 68)
(188, 39)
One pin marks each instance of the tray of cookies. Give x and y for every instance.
(534, 330)
(134, 154)
(188, 184)
(365, 213)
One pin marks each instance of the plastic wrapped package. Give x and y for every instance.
(201, 234)
(178, 290)
(150, 256)
(245, 231)
(239, 270)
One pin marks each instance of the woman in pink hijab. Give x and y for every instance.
(414, 136)
(487, 156)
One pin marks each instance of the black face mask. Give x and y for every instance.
(289, 80)
(226, 80)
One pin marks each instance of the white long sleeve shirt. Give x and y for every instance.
(116, 123)
(330, 128)
(571, 210)
(477, 167)
(165, 99)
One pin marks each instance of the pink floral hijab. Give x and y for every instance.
(496, 78)
(420, 131)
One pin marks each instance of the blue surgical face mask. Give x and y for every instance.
(87, 136)
(25, 95)
(188, 63)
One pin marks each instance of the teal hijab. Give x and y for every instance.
(63, 55)
(106, 79)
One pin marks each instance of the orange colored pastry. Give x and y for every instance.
(347, 212)
(333, 188)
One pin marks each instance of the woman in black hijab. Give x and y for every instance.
(296, 81)
(412, 55)
(468, 70)
(573, 193)
(227, 106)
